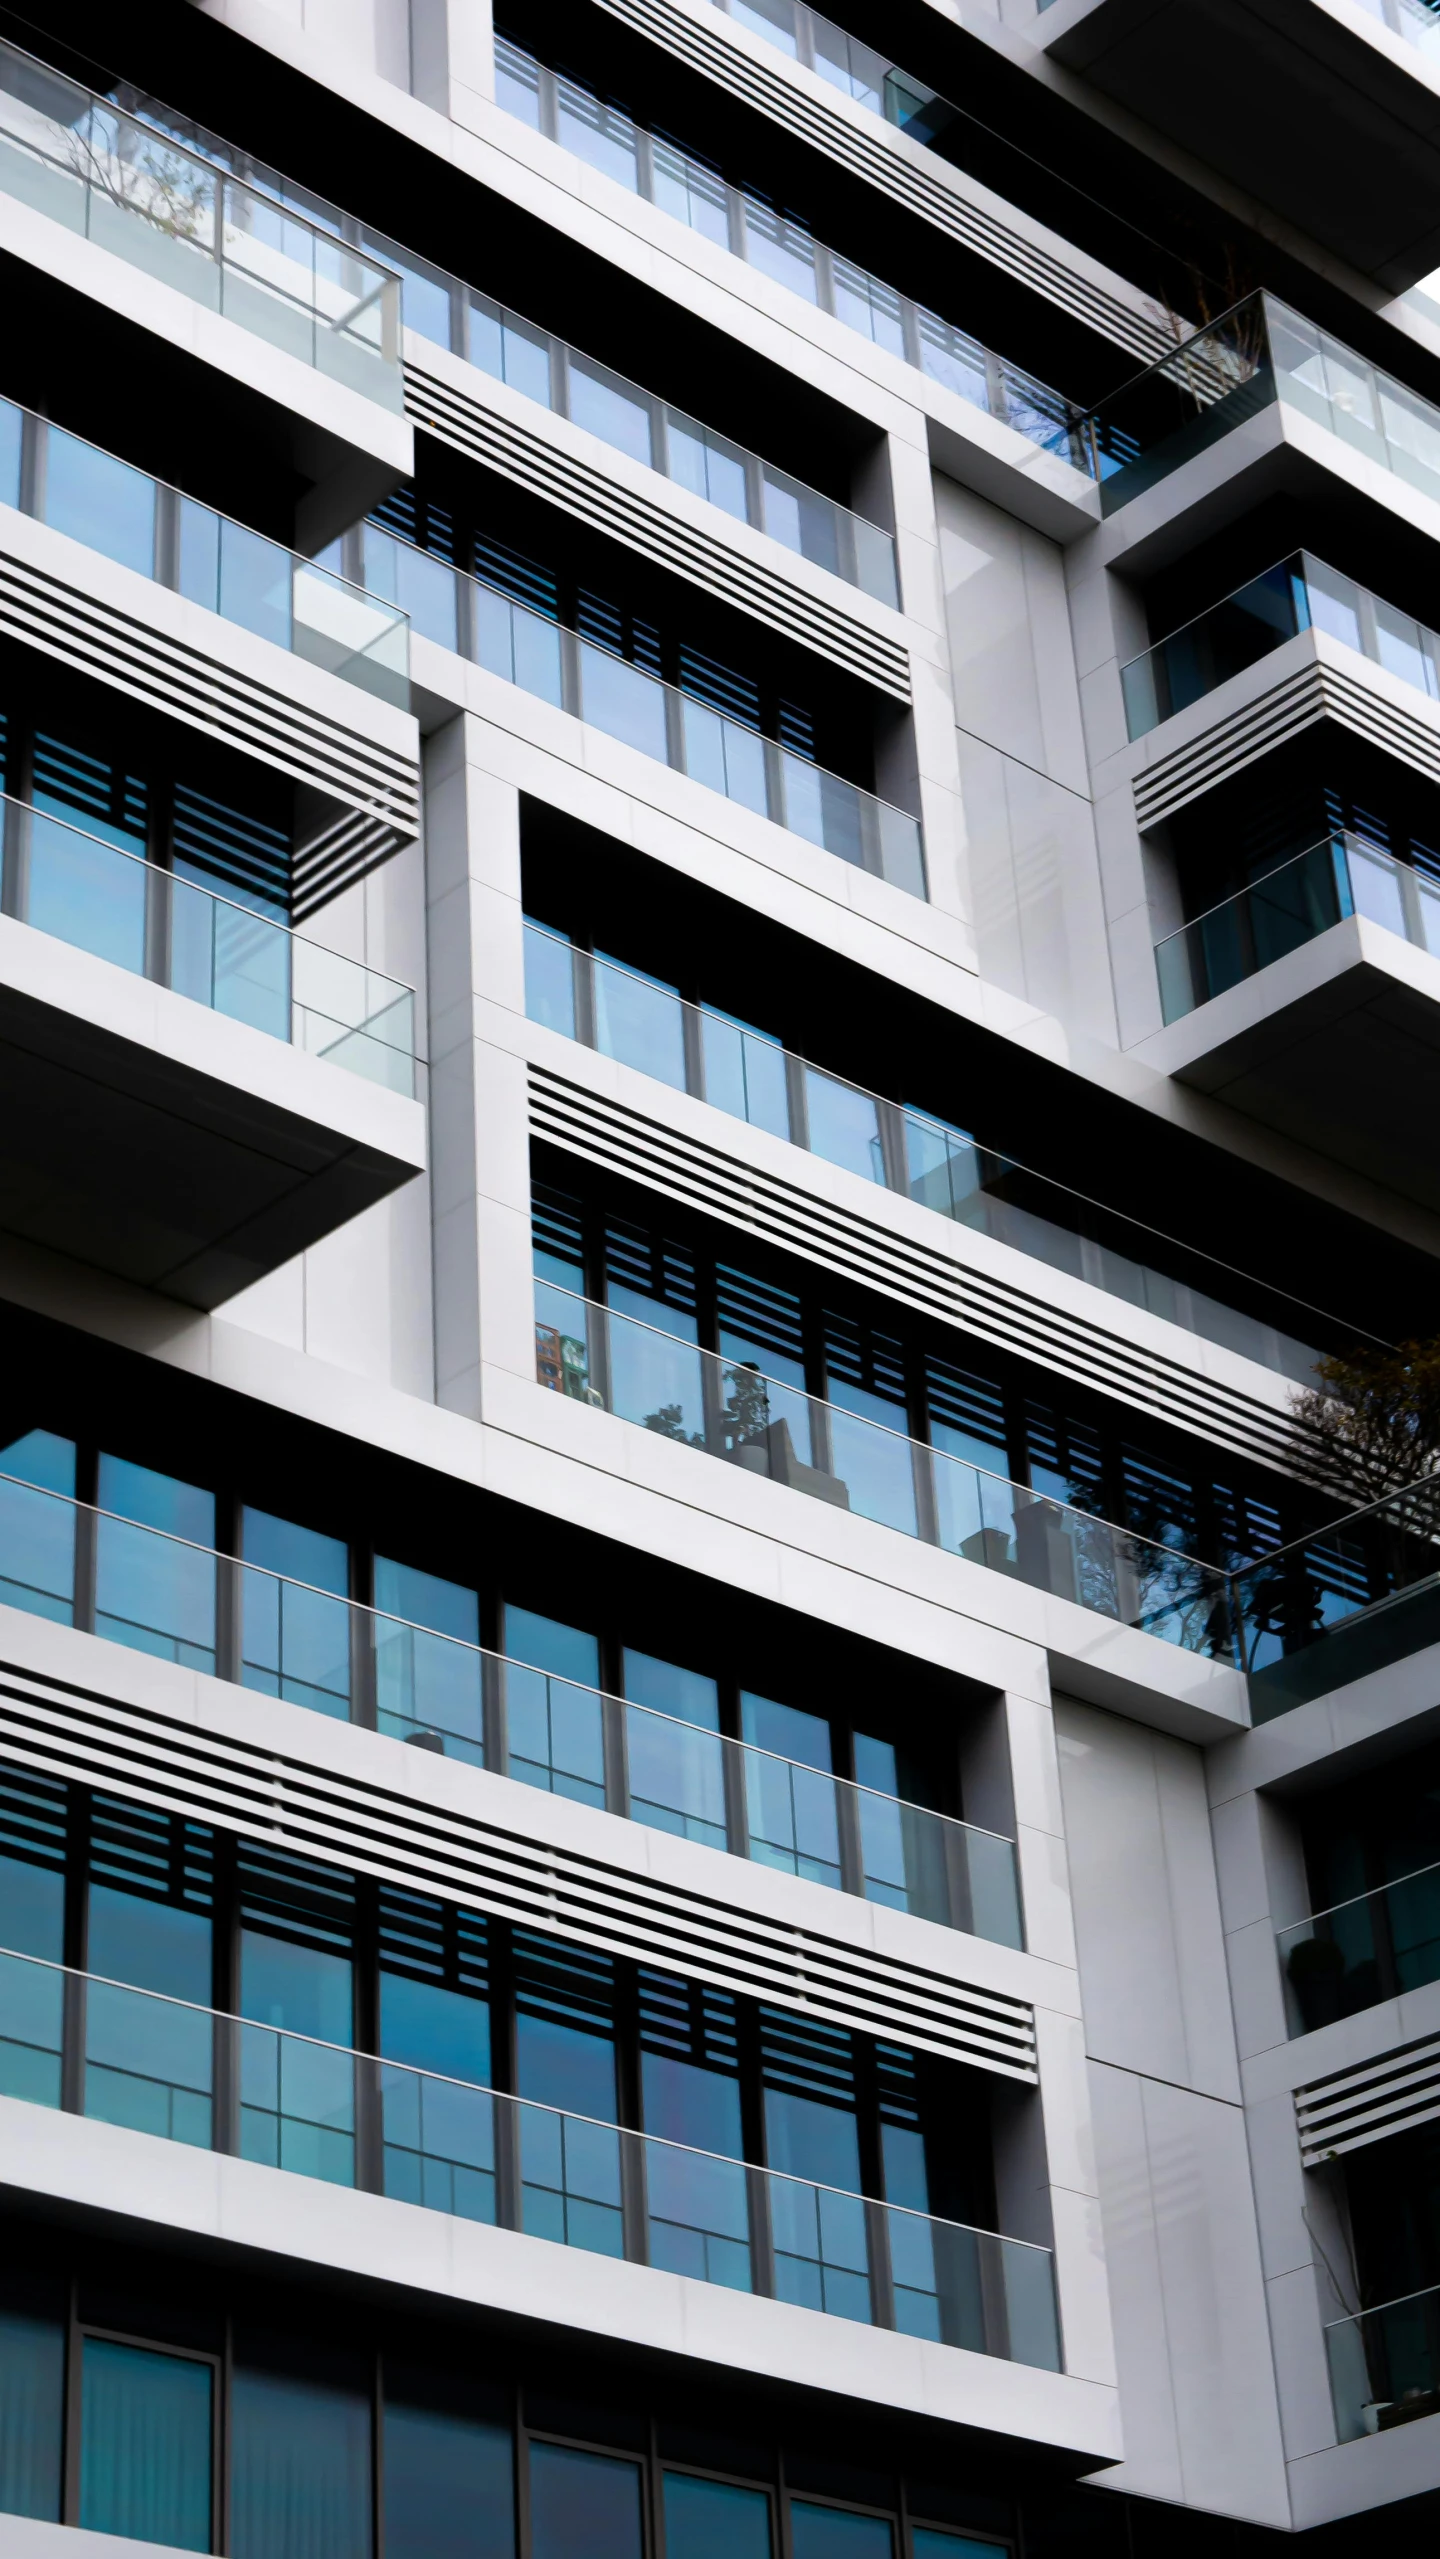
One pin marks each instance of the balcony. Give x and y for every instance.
(694, 1049)
(216, 2082)
(144, 524)
(1385, 2365)
(1332, 1608)
(1331, 114)
(1302, 999)
(72, 1564)
(1260, 356)
(1379, 1945)
(554, 664)
(570, 384)
(1299, 594)
(322, 319)
(171, 1111)
(730, 1410)
(744, 221)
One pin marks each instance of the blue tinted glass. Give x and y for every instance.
(844, 1126)
(583, 2505)
(685, 2103)
(807, 2139)
(145, 2445)
(32, 2392)
(785, 1730)
(951, 2545)
(157, 1501)
(300, 1987)
(449, 2486)
(299, 1554)
(707, 2519)
(668, 1690)
(434, 2029)
(423, 1599)
(99, 501)
(12, 431)
(32, 1909)
(41, 1458)
(300, 2469)
(563, 2066)
(824, 2532)
(875, 1765)
(150, 1943)
(549, 981)
(553, 1647)
(638, 1020)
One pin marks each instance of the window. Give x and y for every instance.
(710, 2519)
(32, 2399)
(147, 2423)
(428, 1672)
(295, 1614)
(154, 1581)
(297, 2099)
(300, 2456)
(448, 2472)
(584, 2505)
(828, 2532)
(148, 1923)
(553, 1707)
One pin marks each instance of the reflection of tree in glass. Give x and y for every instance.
(145, 175)
(747, 1407)
(669, 1422)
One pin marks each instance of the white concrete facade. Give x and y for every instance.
(1047, 1625)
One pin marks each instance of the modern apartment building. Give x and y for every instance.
(719, 960)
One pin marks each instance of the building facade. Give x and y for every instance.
(719, 904)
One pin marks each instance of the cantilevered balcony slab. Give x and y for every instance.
(1320, 107)
(354, 758)
(1337, 1044)
(167, 1143)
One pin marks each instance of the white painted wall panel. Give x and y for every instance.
(1147, 1912)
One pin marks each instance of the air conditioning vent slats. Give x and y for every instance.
(462, 419)
(840, 1240)
(380, 1831)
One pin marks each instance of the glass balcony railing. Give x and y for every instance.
(855, 69)
(498, 341)
(1297, 595)
(557, 665)
(91, 892)
(1385, 2365)
(81, 161)
(730, 1409)
(1330, 1608)
(772, 239)
(1376, 1946)
(698, 1050)
(710, 465)
(138, 1586)
(1301, 898)
(231, 2084)
(145, 525)
(1258, 353)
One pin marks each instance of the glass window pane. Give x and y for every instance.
(100, 501)
(549, 981)
(709, 2519)
(602, 135)
(12, 431)
(668, 1690)
(146, 2429)
(844, 1126)
(786, 1729)
(583, 2505)
(825, 2532)
(639, 1020)
(150, 1591)
(564, 1650)
(298, 1987)
(295, 1614)
(432, 2028)
(806, 2138)
(563, 2066)
(300, 2468)
(153, 1944)
(610, 407)
(448, 1608)
(687, 2103)
(928, 2544)
(449, 2485)
(32, 2395)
